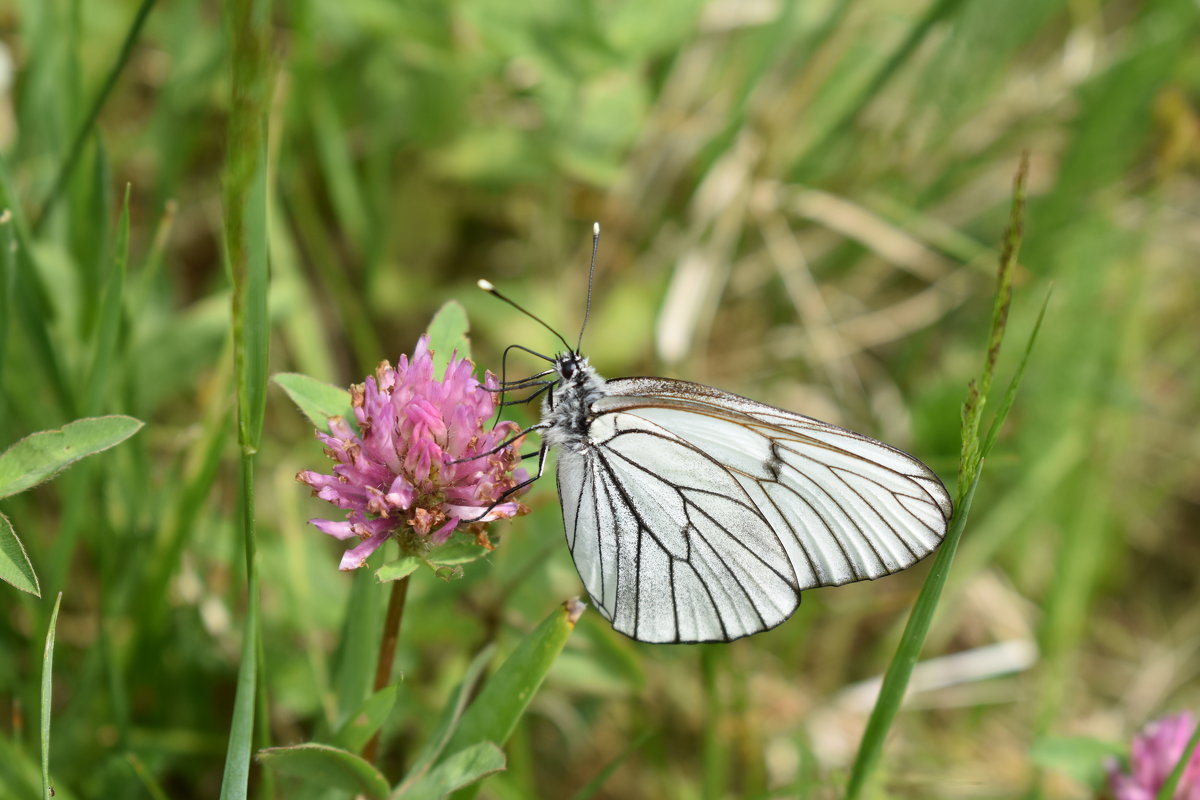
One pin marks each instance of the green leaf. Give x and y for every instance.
(445, 560)
(451, 715)
(447, 334)
(328, 766)
(362, 726)
(47, 689)
(467, 766)
(317, 400)
(400, 568)
(460, 551)
(40, 456)
(1077, 756)
(495, 712)
(15, 567)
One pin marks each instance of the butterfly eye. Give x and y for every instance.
(567, 368)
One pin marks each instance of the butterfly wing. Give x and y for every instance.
(697, 515)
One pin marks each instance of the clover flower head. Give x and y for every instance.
(422, 461)
(1155, 752)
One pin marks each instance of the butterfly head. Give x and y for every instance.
(577, 380)
(568, 365)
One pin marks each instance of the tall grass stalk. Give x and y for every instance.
(895, 680)
(246, 241)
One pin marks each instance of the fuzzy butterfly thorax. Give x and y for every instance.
(567, 409)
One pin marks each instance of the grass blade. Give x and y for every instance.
(246, 249)
(30, 300)
(47, 689)
(89, 120)
(8, 276)
(937, 14)
(236, 779)
(1167, 792)
(594, 785)
(895, 681)
(108, 326)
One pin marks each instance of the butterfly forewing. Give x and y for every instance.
(697, 515)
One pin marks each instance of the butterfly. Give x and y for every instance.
(696, 515)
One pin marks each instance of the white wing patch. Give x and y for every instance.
(674, 557)
(696, 515)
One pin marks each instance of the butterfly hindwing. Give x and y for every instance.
(666, 541)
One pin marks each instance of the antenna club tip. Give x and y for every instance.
(486, 285)
(595, 228)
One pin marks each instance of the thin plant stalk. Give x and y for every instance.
(387, 651)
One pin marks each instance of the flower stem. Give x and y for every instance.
(387, 651)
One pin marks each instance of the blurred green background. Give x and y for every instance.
(801, 202)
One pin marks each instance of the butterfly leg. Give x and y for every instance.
(538, 427)
(541, 470)
(520, 384)
(529, 398)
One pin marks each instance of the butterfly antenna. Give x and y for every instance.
(591, 272)
(488, 287)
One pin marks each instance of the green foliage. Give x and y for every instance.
(802, 202)
(327, 766)
(316, 400)
(448, 335)
(445, 560)
(360, 727)
(15, 568)
(1082, 758)
(38, 458)
(494, 713)
(458, 771)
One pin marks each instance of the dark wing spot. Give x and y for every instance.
(773, 463)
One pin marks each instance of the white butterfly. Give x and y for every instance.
(695, 515)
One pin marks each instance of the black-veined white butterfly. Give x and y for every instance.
(695, 515)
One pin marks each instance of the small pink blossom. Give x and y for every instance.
(1155, 752)
(406, 469)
